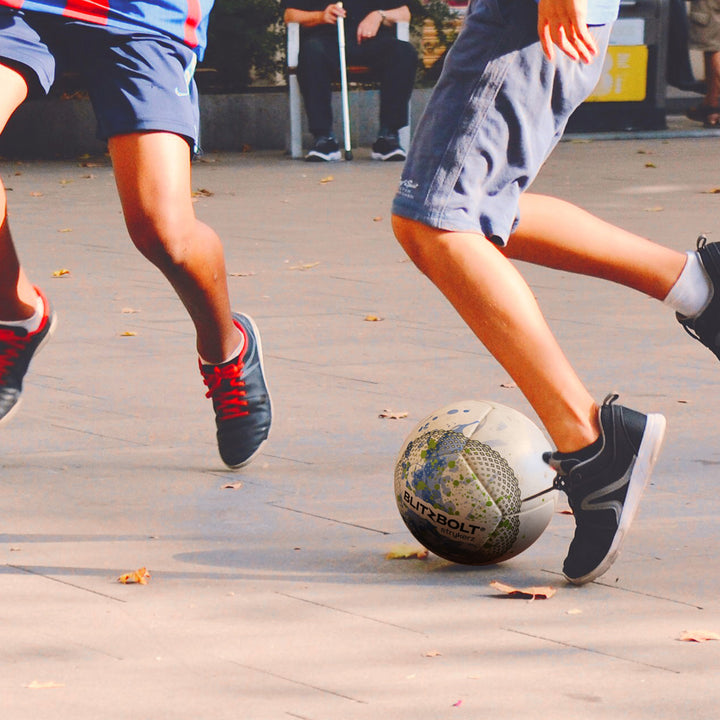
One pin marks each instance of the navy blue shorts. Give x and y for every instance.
(137, 82)
(496, 113)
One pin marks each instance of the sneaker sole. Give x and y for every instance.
(647, 455)
(322, 157)
(394, 156)
(53, 324)
(258, 340)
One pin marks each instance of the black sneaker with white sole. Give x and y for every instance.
(325, 149)
(706, 326)
(604, 489)
(387, 147)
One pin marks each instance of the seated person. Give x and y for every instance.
(370, 40)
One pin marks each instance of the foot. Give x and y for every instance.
(241, 400)
(604, 490)
(325, 149)
(17, 348)
(387, 147)
(708, 115)
(706, 326)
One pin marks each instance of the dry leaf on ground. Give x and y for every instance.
(697, 636)
(531, 593)
(432, 653)
(140, 576)
(129, 311)
(372, 318)
(305, 266)
(47, 685)
(401, 552)
(233, 486)
(203, 192)
(327, 179)
(393, 414)
(128, 333)
(61, 272)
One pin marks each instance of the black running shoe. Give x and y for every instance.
(325, 149)
(17, 348)
(706, 326)
(387, 147)
(604, 490)
(240, 398)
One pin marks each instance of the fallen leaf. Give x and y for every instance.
(47, 685)
(128, 333)
(61, 272)
(241, 274)
(650, 165)
(401, 552)
(574, 611)
(15, 549)
(233, 486)
(203, 192)
(712, 191)
(63, 230)
(532, 593)
(129, 311)
(64, 181)
(697, 636)
(432, 653)
(140, 577)
(36, 194)
(378, 218)
(372, 318)
(327, 179)
(508, 385)
(305, 266)
(656, 208)
(393, 414)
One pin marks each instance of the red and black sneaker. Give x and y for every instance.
(241, 400)
(17, 347)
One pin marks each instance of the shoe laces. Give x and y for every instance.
(11, 345)
(226, 387)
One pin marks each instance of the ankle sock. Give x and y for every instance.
(232, 355)
(32, 323)
(692, 291)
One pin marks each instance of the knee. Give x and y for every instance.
(163, 239)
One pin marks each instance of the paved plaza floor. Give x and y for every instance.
(273, 599)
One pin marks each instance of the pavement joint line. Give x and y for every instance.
(353, 614)
(638, 592)
(595, 651)
(64, 582)
(295, 682)
(334, 520)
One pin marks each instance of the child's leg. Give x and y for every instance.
(153, 176)
(17, 296)
(495, 301)
(556, 234)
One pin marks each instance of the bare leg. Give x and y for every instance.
(495, 301)
(153, 176)
(712, 81)
(17, 296)
(556, 234)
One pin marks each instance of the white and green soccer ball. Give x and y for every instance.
(470, 482)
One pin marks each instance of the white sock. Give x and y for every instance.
(692, 291)
(32, 323)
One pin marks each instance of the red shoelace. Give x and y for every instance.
(228, 397)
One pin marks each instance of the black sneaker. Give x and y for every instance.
(604, 489)
(325, 149)
(387, 147)
(706, 326)
(17, 348)
(240, 398)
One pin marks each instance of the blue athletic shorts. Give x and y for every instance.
(137, 82)
(496, 113)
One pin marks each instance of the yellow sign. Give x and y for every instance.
(624, 75)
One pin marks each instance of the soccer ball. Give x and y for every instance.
(469, 482)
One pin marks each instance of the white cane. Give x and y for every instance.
(344, 86)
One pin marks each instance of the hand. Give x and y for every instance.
(369, 26)
(564, 23)
(332, 12)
